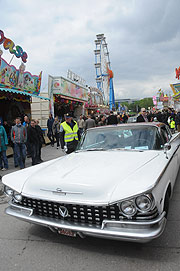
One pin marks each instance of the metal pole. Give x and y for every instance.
(11, 59)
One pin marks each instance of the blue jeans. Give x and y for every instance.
(20, 153)
(3, 159)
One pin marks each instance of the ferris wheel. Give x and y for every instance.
(104, 74)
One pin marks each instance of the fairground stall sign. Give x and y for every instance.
(64, 90)
(176, 87)
(95, 102)
(17, 86)
(67, 88)
(16, 80)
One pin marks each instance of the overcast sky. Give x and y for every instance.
(143, 39)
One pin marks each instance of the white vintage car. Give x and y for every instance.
(116, 185)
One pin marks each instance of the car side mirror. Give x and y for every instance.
(167, 147)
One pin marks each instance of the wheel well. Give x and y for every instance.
(169, 190)
(166, 199)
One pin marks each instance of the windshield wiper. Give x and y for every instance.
(123, 149)
(92, 149)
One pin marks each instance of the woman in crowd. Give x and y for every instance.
(56, 131)
(3, 148)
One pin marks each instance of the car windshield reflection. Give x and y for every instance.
(128, 138)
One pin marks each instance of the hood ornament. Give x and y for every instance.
(61, 192)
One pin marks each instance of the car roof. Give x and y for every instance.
(136, 124)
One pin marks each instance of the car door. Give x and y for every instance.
(172, 154)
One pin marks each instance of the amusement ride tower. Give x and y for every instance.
(104, 74)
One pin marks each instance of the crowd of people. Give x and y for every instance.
(68, 131)
(168, 116)
(26, 137)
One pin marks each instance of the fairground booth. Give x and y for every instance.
(17, 86)
(67, 96)
(95, 104)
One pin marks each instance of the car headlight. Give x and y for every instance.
(128, 208)
(8, 191)
(17, 196)
(143, 203)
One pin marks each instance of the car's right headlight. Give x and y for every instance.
(8, 191)
(144, 203)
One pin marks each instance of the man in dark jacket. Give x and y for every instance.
(34, 142)
(112, 119)
(178, 120)
(89, 123)
(19, 137)
(41, 138)
(50, 132)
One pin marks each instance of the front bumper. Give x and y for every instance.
(137, 231)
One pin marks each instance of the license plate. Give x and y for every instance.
(67, 232)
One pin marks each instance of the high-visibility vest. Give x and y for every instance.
(172, 124)
(70, 134)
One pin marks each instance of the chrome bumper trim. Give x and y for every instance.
(139, 223)
(142, 231)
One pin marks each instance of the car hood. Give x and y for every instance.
(91, 177)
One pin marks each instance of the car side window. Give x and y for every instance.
(168, 132)
(165, 134)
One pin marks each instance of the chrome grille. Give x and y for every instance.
(81, 213)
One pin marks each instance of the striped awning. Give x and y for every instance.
(22, 93)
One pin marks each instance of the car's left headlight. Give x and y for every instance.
(8, 191)
(143, 203)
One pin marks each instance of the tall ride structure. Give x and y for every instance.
(104, 74)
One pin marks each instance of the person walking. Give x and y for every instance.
(172, 125)
(50, 132)
(34, 142)
(102, 120)
(81, 124)
(41, 139)
(3, 148)
(26, 124)
(56, 131)
(19, 138)
(90, 122)
(112, 119)
(178, 120)
(69, 134)
(143, 116)
(124, 117)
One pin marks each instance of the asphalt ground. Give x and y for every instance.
(30, 247)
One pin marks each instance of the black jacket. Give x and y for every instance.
(40, 134)
(32, 135)
(140, 119)
(112, 119)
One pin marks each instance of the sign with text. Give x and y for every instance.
(21, 80)
(66, 88)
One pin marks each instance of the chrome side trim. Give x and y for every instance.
(140, 223)
(20, 208)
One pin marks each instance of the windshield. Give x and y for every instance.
(137, 138)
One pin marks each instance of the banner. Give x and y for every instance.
(21, 80)
(65, 87)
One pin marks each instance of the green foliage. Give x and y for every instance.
(136, 106)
